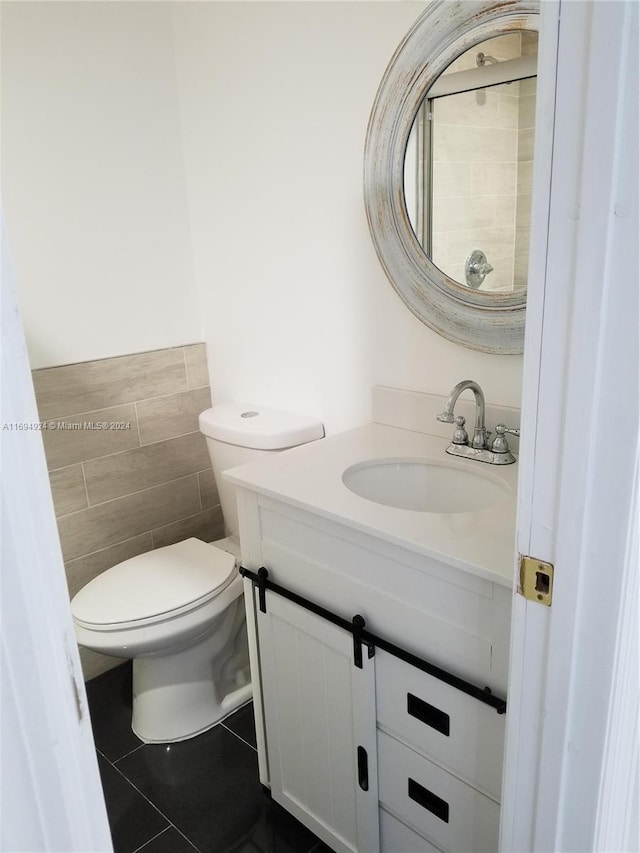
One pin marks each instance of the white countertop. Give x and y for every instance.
(310, 477)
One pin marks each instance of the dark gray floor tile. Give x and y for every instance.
(278, 832)
(110, 699)
(242, 723)
(132, 819)
(208, 787)
(169, 842)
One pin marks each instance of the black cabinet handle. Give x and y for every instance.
(426, 713)
(363, 768)
(428, 800)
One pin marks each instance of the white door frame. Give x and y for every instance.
(50, 792)
(571, 764)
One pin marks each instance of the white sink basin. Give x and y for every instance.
(424, 485)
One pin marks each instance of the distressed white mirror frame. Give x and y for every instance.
(487, 322)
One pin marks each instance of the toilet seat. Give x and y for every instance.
(154, 586)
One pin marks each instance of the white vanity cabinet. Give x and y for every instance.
(319, 713)
(433, 752)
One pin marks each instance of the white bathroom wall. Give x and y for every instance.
(298, 313)
(268, 247)
(92, 180)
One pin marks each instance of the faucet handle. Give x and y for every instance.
(460, 435)
(500, 444)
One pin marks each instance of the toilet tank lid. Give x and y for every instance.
(257, 427)
(154, 583)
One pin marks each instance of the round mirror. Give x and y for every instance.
(448, 166)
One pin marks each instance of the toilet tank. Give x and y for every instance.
(238, 433)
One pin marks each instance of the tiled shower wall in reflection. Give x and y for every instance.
(128, 467)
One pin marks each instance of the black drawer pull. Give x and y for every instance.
(426, 713)
(363, 768)
(428, 801)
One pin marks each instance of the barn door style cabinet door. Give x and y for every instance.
(319, 712)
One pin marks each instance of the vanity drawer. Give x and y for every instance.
(454, 729)
(448, 812)
(397, 837)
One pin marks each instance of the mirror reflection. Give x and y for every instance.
(468, 164)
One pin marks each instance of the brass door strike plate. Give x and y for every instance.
(536, 580)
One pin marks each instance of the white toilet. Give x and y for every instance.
(178, 611)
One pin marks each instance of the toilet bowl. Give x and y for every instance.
(178, 611)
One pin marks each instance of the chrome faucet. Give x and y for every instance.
(498, 452)
(480, 434)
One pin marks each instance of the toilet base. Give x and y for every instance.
(183, 694)
(183, 725)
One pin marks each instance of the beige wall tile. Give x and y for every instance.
(508, 46)
(525, 145)
(528, 86)
(501, 278)
(523, 236)
(101, 526)
(94, 664)
(452, 179)
(527, 112)
(453, 269)
(67, 489)
(498, 240)
(197, 369)
(208, 489)
(520, 270)
(108, 382)
(124, 473)
(493, 178)
(207, 525)
(167, 417)
(471, 109)
(457, 213)
(65, 445)
(81, 571)
(529, 42)
(525, 177)
(508, 112)
(523, 211)
(505, 210)
(482, 130)
(452, 143)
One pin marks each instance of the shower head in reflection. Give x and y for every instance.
(482, 59)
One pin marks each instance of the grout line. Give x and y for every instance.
(70, 415)
(181, 391)
(186, 518)
(122, 355)
(106, 548)
(235, 734)
(171, 438)
(188, 840)
(135, 411)
(153, 838)
(86, 490)
(131, 449)
(144, 797)
(186, 369)
(130, 494)
(131, 751)
(144, 533)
